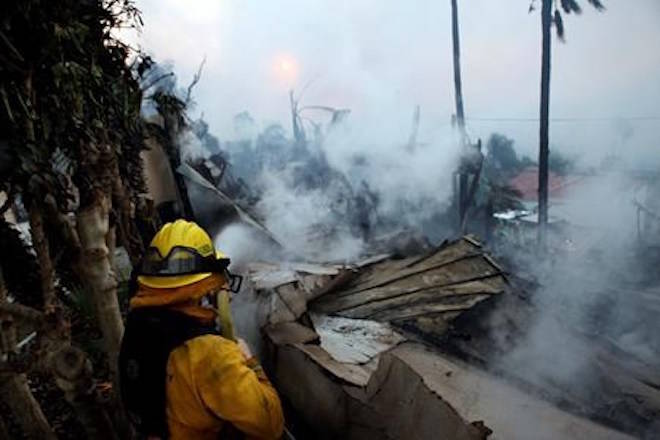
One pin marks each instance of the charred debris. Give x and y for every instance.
(446, 329)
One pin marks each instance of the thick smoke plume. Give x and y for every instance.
(594, 323)
(332, 194)
(329, 197)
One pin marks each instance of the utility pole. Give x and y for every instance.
(460, 113)
(546, 23)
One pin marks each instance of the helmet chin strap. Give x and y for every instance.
(224, 319)
(218, 300)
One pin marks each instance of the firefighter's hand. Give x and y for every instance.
(245, 349)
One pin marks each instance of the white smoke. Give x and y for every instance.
(190, 147)
(592, 307)
(420, 176)
(299, 218)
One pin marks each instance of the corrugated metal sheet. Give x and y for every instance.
(438, 285)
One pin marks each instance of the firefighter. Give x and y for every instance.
(181, 374)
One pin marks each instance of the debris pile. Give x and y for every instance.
(364, 350)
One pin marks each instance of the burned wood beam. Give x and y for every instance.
(344, 304)
(336, 283)
(442, 256)
(402, 275)
(436, 276)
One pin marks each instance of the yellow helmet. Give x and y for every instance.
(181, 253)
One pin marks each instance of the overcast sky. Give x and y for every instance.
(382, 57)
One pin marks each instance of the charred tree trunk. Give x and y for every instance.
(97, 274)
(460, 113)
(546, 22)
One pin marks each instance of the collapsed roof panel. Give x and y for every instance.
(220, 202)
(339, 354)
(354, 341)
(446, 281)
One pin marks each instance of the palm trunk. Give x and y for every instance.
(460, 113)
(546, 21)
(98, 275)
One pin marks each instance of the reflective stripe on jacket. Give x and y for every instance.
(209, 383)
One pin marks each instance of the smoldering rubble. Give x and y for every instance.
(369, 319)
(387, 347)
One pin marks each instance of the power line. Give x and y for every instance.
(609, 119)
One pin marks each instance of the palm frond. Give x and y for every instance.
(559, 24)
(597, 4)
(571, 6)
(532, 7)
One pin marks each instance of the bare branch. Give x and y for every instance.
(597, 4)
(11, 47)
(559, 24)
(5, 101)
(157, 80)
(317, 107)
(10, 199)
(21, 312)
(40, 244)
(195, 80)
(306, 86)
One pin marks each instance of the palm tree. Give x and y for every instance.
(548, 18)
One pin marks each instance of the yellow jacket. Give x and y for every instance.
(209, 383)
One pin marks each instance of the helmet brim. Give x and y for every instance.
(171, 282)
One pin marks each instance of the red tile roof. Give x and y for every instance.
(527, 183)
